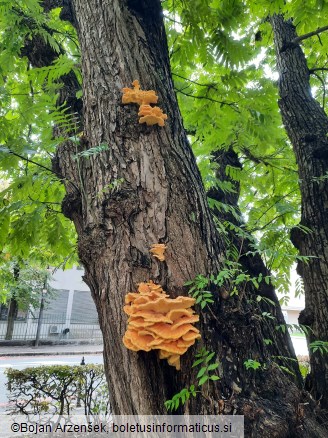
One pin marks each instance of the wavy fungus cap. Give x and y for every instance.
(157, 322)
(151, 115)
(135, 95)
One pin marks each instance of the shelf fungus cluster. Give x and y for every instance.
(157, 250)
(147, 113)
(158, 322)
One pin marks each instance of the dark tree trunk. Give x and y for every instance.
(12, 310)
(12, 313)
(307, 127)
(160, 199)
(250, 261)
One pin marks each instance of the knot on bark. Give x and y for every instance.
(297, 236)
(306, 317)
(122, 203)
(91, 244)
(288, 46)
(139, 259)
(72, 205)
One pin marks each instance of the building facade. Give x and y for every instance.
(69, 312)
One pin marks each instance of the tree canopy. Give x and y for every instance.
(67, 150)
(223, 66)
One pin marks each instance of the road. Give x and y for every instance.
(21, 362)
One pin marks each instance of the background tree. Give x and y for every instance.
(21, 286)
(121, 41)
(274, 208)
(307, 125)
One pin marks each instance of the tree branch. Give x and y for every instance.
(42, 167)
(263, 160)
(312, 70)
(308, 35)
(213, 86)
(222, 102)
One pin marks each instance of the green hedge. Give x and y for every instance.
(58, 389)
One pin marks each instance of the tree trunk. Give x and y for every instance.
(12, 310)
(307, 126)
(160, 199)
(251, 263)
(12, 313)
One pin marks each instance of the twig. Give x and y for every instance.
(172, 19)
(45, 202)
(294, 43)
(30, 161)
(259, 160)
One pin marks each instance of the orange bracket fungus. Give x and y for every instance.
(149, 115)
(157, 250)
(157, 322)
(135, 95)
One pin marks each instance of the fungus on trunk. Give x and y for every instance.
(157, 322)
(148, 114)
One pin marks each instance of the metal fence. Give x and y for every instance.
(53, 328)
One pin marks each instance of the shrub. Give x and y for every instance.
(58, 389)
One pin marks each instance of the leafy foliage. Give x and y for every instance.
(222, 61)
(197, 290)
(26, 289)
(227, 92)
(58, 389)
(319, 346)
(32, 225)
(205, 360)
(92, 151)
(180, 398)
(252, 364)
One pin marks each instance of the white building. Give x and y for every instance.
(69, 313)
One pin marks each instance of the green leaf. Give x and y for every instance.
(267, 341)
(213, 377)
(197, 362)
(203, 379)
(92, 151)
(212, 366)
(201, 372)
(203, 304)
(209, 357)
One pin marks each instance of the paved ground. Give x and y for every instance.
(50, 350)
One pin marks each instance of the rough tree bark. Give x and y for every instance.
(161, 199)
(307, 126)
